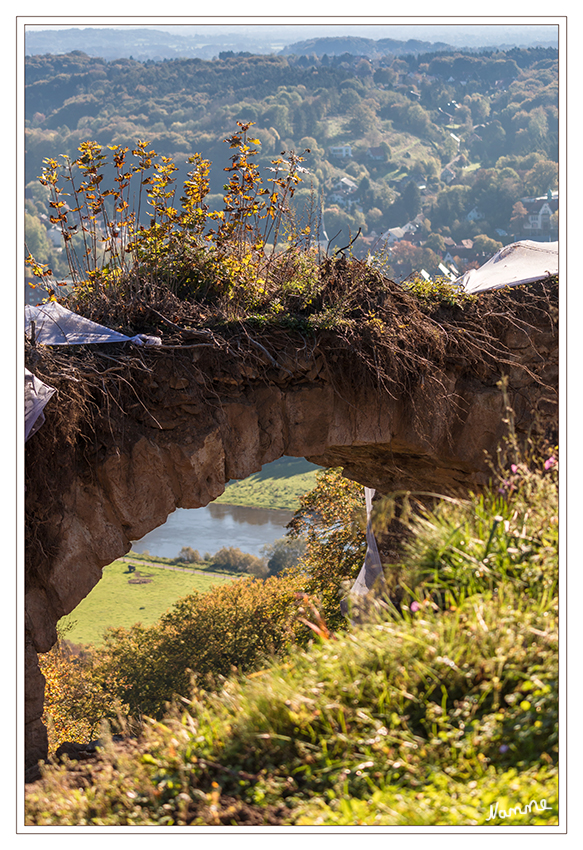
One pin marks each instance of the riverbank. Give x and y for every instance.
(208, 529)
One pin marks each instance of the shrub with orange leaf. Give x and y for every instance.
(74, 705)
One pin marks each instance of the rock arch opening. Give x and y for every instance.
(243, 533)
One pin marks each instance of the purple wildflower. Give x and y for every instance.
(414, 606)
(506, 487)
(550, 462)
(503, 748)
(513, 468)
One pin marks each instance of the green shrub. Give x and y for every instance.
(438, 289)
(188, 555)
(231, 558)
(204, 637)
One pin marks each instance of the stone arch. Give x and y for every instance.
(118, 471)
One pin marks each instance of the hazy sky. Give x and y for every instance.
(274, 35)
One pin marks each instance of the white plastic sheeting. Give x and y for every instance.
(55, 325)
(36, 395)
(371, 578)
(520, 262)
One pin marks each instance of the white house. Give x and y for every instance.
(342, 151)
(396, 234)
(540, 210)
(342, 191)
(393, 234)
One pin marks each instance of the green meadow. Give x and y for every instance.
(123, 598)
(278, 485)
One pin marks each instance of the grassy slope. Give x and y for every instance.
(380, 726)
(434, 715)
(114, 602)
(277, 485)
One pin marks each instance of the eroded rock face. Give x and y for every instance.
(193, 426)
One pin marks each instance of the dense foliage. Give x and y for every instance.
(74, 705)
(205, 636)
(330, 521)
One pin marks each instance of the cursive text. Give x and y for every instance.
(517, 810)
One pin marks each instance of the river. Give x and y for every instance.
(209, 529)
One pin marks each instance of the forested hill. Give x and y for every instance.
(344, 98)
(461, 138)
(208, 41)
(373, 48)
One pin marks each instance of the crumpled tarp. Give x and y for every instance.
(520, 262)
(55, 325)
(371, 578)
(36, 395)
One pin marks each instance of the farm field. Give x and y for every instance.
(123, 598)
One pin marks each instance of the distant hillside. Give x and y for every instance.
(458, 137)
(149, 43)
(207, 42)
(140, 44)
(362, 47)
